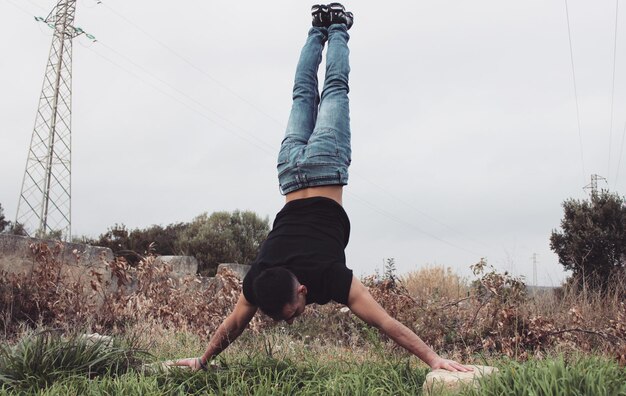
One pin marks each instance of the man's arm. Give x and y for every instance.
(229, 330)
(363, 305)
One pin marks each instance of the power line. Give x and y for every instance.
(409, 225)
(357, 197)
(37, 5)
(571, 52)
(268, 148)
(411, 206)
(608, 174)
(191, 64)
(621, 151)
(262, 145)
(19, 7)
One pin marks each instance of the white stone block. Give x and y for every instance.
(446, 382)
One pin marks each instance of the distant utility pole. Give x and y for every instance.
(593, 186)
(534, 269)
(44, 206)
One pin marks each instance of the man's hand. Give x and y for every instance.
(449, 365)
(192, 363)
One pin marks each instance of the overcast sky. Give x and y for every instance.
(464, 122)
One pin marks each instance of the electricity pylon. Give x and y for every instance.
(534, 269)
(593, 186)
(44, 206)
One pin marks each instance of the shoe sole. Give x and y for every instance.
(336, 7)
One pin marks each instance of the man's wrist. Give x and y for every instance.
(432, 359)
(202, 365)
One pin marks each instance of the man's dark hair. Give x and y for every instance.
(274, 288)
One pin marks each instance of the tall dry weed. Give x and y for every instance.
(493, 315)
(151, 292)
(435, 283)
(47, 295)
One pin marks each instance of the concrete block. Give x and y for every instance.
(17, 256)
(77, 263)
(181, 265)
(239, 269)
(445, 382)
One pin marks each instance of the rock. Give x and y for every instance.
(181, 265)
(16, 255)
(168, 366)
(77, 262)
(442, 381)
(161, 367)
(239, 269)
(209, 283)
(95, 338)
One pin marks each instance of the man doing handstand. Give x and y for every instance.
(302, 261)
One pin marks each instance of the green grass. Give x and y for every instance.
(42, 359)
(260, 376)
(266, 376)
(557, 376)
(48, 364)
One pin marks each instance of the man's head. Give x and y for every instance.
(279, 294)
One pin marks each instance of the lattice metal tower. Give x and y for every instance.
(593, 186)
(44, 206)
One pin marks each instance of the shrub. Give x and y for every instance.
(41, 359)
(223, 237)
(46, 295)
(497, 317)
(592, 243)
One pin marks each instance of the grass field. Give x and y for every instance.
(48, 363)
(567, 343)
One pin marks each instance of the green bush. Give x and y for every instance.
(223, 237)
(42, 359)
(592, 242)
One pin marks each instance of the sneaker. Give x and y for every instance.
(337, 14)
(320, 16)
(349, 19)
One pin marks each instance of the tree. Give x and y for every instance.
(133, 245)
(17, 229)
(249, 232)
(219, 238)
(3, 222)
(9, 227)
(223, 237)
(117, 239)
(592, 242)
(157, 239)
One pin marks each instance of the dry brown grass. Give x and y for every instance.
(584, 320)
(493, 315)
(434, 283)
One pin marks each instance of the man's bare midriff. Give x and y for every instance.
(333, 192)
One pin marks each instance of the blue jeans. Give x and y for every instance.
(316, 148)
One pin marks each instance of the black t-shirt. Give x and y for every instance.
(308, 238)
